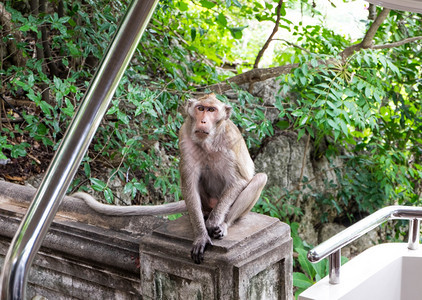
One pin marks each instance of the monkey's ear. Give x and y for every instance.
(190, 103)
(228, 110)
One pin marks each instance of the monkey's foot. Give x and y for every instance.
(218, 232)
(198, 249)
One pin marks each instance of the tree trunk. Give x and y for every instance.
(10, 49)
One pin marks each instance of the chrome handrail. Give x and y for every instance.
(72, 149)
(332, 246)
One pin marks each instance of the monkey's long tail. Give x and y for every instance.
(135, 210)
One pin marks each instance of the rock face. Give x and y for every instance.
(287, 162)
(282, 160)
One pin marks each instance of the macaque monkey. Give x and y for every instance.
(217, 173)
(218, 179)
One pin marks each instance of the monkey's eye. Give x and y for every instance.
(211, 109)
(200, 108)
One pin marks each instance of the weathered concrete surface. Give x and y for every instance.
(89, 256)
(84, 255)
(254, 261)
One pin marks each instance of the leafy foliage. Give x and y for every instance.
(364, 106)
(138, 143)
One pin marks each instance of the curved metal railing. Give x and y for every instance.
(68, 157)
(332, 247)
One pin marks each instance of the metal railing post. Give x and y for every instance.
(414, 233)
(67, 159)
(334, 264)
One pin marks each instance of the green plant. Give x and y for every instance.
(270, 204)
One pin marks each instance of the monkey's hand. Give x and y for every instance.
(198, 248)
(217, 231)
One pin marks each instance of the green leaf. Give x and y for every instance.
(221, 20)
(301, 281)
(97, 184)
(297, 113)
(305, 264)
(320, 114)
(183, 6)
(34, 97)
(237, 31)
(305, 69)
(321, 269)
(283, 124)
(393, 67)
(207, 4)
(46, 108)
(69, 110)
(123, 117)
(87, 169)
(193, 33)
(108, 195)
(141, 187)
(333, 124)
(18, 151)
(344, 127)
(368, 92)
(237, 3)
(28, 27)
(301, 133)
(303, 120)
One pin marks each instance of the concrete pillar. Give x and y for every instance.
(254, 261)
(84, 256)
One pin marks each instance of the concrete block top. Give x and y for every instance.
(246, 237)
(252, 226)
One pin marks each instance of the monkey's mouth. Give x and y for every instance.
(201, 132)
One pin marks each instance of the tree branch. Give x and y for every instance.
(254, 75)
(293, 45)
(275, 29)
(368, 39)
(397, 44)
(261, 74)
(7, 28)
(369, 36)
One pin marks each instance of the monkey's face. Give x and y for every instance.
(207, 114)
(206, 117)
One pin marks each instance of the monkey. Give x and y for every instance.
(217, 175)
(218, 179)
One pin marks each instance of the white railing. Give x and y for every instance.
(332, 247)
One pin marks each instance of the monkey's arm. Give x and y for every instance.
(215, 223)
(192, 198)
